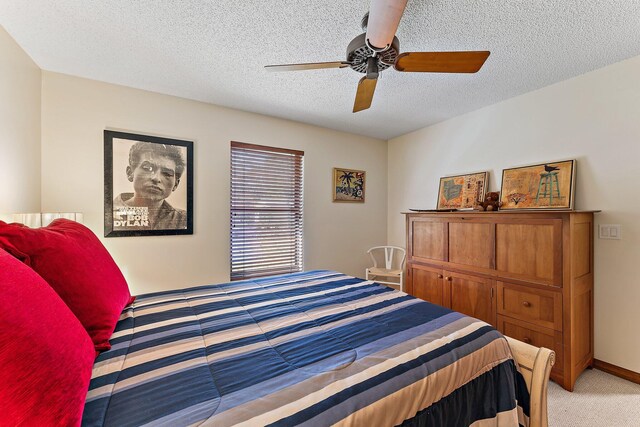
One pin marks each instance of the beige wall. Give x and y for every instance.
(75, 112)
(20, 81)
(594, 118)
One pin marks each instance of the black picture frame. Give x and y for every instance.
(147, 210)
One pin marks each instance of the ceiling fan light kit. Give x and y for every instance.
(378, 48)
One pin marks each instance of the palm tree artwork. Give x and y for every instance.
(348, 185)
(346, 178)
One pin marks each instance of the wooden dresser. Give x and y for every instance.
(530, 274)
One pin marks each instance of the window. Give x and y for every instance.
(266, 210)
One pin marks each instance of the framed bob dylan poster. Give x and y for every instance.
(461, 191)
(543, 186)
(348, 185)
(148, 185)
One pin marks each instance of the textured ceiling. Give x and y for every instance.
(215, 50)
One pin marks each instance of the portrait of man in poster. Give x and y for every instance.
(147, 186)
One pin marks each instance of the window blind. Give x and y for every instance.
(266, 210)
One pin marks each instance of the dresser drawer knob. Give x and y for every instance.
(448, 278)
(526, 303)
(439, 276)
(527, 340)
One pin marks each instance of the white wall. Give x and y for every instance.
(20, 81)
(594, 118)
(75, 112)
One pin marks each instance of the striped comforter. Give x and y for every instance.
(313, 348)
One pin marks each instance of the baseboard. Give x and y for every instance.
(626, 374)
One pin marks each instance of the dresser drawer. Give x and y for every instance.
(539, 306)
(534, 335)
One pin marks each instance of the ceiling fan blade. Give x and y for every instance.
(364, 95)
(307, 66)
(384, 18)
(441, 62)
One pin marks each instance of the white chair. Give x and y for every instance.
(393, 266)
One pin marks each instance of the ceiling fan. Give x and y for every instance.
(378, 49)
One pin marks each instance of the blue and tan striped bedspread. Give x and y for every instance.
(315, 348)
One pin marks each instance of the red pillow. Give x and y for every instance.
(78, 267)
(46, 356)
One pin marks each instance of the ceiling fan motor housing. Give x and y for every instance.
(358, 52)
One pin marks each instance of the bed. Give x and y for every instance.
(312, 348)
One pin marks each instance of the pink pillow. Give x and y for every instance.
(46, 356)
(78, 267)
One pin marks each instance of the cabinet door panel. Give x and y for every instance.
(530, 251)
(428, 240)
(473, 296)
(471, 244)
(428, 284)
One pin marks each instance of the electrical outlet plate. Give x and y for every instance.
(609, 231)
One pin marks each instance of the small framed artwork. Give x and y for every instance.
(542, 186)
(461, 192)
(348, 185)
(148, 185)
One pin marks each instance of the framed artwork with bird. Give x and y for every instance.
(543, 186)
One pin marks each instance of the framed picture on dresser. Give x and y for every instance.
(148, 185)
(461, 192)
(542, 186)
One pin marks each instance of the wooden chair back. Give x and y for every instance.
(389, 257)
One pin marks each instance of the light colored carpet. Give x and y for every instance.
(598, 399)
